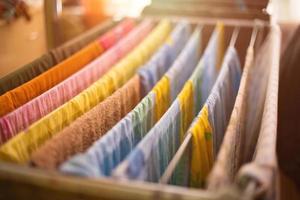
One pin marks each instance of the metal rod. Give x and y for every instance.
(213, 21)
(234, 36)
(253, 37)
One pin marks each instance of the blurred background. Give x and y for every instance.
(29, 28)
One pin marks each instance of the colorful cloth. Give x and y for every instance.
(263, 169)
(245, 125)
(93, 124)
(51, 58)
(36, 86)
(112, 148)
(21, 118)
(154, 70)
(217, 51)
(19, 148)
(224, 166)
(150, 158)
(88, 128)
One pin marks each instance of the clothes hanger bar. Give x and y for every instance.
(187, 139)
(253, 37)
(234, 36)
(213, 21)
(175, 160)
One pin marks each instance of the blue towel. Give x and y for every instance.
(113, 147)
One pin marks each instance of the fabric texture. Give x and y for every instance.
(222, 98)
(153, 71)
(234, 129)
(50, 59)
(210, 124)
(216, 51)
(150, 73)
(245, 125)
(20, 147)
(80, 135)
(201, 159)
(263, 170)
(130, 130)
(150, 158)
(40, 106)
(36, 86)
(152, 155)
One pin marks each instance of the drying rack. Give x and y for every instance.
(22, 182)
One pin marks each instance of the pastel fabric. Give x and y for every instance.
(19, 148)
(112, 148)
(93, 124)
(150, 158)
(152, 72)
(209, 126)
(252, 149)
(21, 118)
(241, 138)
(217, 51)
(220, 173)
(263, 166)
(36, 86)
(81, 134)
(51, 58)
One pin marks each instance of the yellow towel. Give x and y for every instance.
(186, 101)
(162, 97)
(19, 148)
(202, 158)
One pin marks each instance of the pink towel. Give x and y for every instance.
(32, 111)
(88, 128)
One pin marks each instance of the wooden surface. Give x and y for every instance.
(21, 41)
(19, 182)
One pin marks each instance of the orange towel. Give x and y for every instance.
(20, 95)
(33, 88)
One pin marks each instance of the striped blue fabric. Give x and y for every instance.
(150, 158)
(113, 147)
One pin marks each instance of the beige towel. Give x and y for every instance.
(251, 134)
(88, 128)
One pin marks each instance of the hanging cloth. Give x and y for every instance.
(52, 58)
(151, 157)
(115, 107)
(19, 148)
(241, 137)
(33, 88)
(21, 118)
(130, 130)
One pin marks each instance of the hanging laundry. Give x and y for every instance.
(21, 118)
(31, 89)
(19, 148)
(216, 51)
(211, 123)
(263, 169)
(155, 69)
(115, 107)
(234, 128)
(88, 128)
(241, 136)
(111, 149)
(152, 155)
(51, 58)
